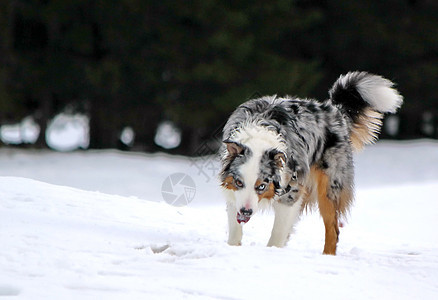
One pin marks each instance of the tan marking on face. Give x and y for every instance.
(228, 183)
(269, 193)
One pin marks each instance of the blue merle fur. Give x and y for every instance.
(315, 133)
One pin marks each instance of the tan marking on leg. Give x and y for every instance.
(329, 213)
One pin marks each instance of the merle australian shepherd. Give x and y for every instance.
(292, 153)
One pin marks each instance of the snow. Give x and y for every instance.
(127, 136)
(68, 132)
(168, 136)
(94, 225)
(27, 132)
(65, 132)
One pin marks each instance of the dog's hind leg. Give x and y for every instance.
(285, 218)
(329, 212)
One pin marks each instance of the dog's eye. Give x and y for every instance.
(238, 183)
(261, 187)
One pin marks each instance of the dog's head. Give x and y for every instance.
(253, 170)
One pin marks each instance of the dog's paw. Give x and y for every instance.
(235, 243)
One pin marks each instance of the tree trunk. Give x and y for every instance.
(103, 128)
(43, 115)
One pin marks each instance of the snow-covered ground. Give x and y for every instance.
(93, 225)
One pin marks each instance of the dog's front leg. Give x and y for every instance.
(285, 218)
(234, 228)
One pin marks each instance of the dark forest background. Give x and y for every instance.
(136, 62)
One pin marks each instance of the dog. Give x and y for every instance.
(292, 153)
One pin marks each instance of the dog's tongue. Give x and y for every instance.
(242, 218)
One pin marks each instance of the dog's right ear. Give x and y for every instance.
(280, 159)
(233, 148)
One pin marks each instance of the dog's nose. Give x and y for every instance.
(246, 212)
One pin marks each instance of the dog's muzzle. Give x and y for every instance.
(244, 215)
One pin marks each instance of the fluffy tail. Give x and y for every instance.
(365, 98)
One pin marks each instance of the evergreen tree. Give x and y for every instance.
(136, 63)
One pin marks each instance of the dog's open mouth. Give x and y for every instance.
(242, 218)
